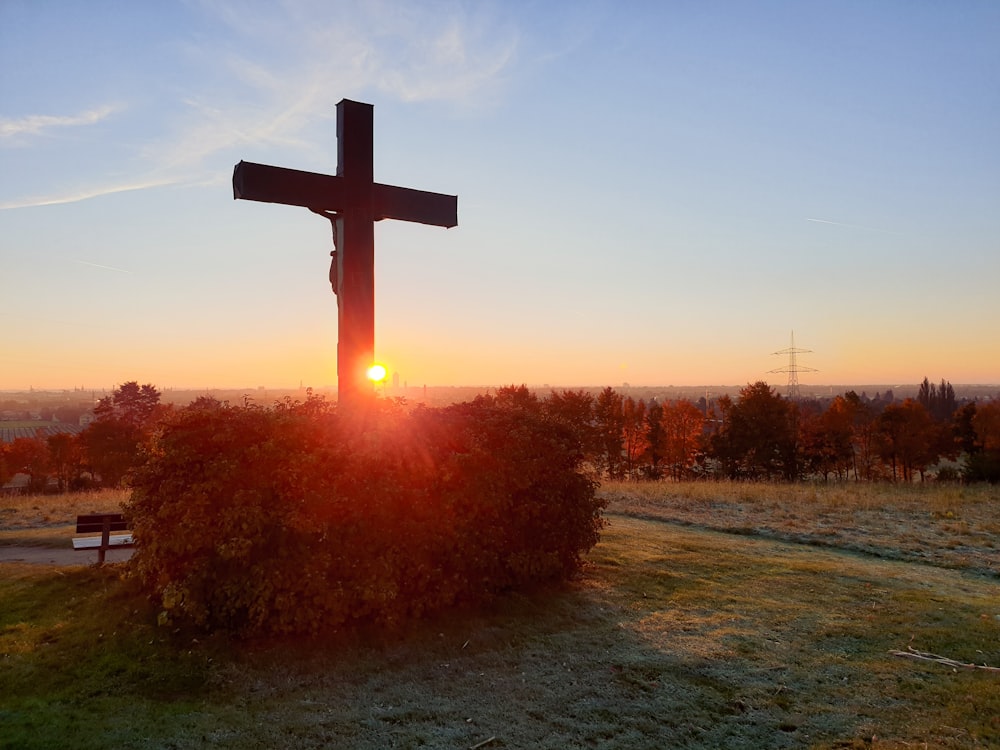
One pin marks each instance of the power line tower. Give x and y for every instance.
(793, 368)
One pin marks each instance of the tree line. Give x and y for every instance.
(758, 436)
(101, 455)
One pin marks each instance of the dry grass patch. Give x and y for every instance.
(38, 511)
(947, 525)
(50, 520)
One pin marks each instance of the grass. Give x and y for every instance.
(76, 644)
(948, 525)
(676, 636)
(50, 520)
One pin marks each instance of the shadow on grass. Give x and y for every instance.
(673, 638)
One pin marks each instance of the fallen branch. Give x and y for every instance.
(483, 743)
(912, 653)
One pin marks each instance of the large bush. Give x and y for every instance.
(301, 518)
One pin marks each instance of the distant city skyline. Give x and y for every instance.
(647, 193)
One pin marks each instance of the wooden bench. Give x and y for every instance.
(104, 524)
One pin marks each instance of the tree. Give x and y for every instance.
(987, 426)
(66, 458)
(6, 466)
(826, 438)
(130, 403)
(939, 402)
(633, 433)
(111, 450)
(817, 443)
(30, 456)
(963, 429)
(906, 439)
(655, 439)
(862, 436)
(682, 424)
(983, 464)
(757, 439)
(123, 421)
(575, 409)
(610, 424)
(516, 396)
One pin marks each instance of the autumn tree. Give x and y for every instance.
(683, 424)
(122, 422)
(66, 458)
(864, 458)
(516, 396)
(6, 467)
(826, 438)
(30, 456)
(906, 439)
(576, 410)
(987, 426)
(655, 440)
(633, 434)
(817, 445)
(130, 404)
(609, 423)
(983, 463)
(757, 439)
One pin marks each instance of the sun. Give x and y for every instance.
(377, 373)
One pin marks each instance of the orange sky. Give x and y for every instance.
(653, 197)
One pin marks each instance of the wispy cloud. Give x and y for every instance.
(74, 196)
(39, 124)
(276, 71)
(102, 266)
(305, 57)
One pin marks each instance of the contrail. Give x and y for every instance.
(854, 226)
(38, 124)
(56, 200)
(98, 265)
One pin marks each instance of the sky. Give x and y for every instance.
(652, 193)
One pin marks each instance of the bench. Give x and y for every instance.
(104, 524)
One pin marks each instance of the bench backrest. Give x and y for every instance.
(94, 522)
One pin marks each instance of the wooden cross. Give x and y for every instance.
(353, 201)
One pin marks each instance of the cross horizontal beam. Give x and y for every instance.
(292, 187)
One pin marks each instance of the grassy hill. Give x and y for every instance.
(676, 636)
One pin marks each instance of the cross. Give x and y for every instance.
(353, 201)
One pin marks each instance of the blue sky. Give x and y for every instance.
(649, 192)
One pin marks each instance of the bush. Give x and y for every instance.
(301, 518)
(983, 466)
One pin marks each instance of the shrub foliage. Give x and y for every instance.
(301, 518)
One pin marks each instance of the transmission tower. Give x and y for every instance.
(793, 368)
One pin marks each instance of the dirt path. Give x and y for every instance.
(53, 556)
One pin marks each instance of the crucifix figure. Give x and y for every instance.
(353, 202)
(334, 271)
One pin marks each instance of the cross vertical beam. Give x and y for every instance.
(354, 202)
(356, 249)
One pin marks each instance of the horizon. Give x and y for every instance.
(660, 192)
(807, 388)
